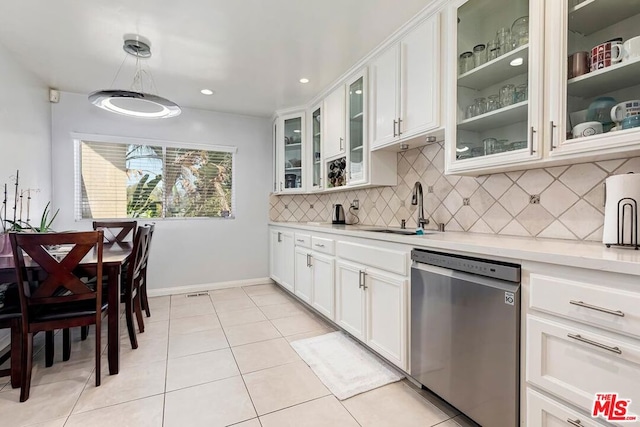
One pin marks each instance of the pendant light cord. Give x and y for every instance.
(118, 72)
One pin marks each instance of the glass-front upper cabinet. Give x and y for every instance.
(356, 127)
(594, 52)
(292, 154)
(316, 148)
(494, 60)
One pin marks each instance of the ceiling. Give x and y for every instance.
(252, 53)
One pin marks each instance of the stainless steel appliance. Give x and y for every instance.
(465, 334)
(338, 215)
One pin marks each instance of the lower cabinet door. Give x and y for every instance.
(274, 256)
(575, 363)
(386, 328)
(303, 282)
(286, 254)
(545, 412)
(350, 299)
(322, 268)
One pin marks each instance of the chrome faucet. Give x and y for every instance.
(416, 199)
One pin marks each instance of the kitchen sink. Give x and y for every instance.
(397, 231)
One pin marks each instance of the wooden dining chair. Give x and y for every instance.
(58, 297)
(116, 231)
(143, 283)
(10, 318)
(131, 287)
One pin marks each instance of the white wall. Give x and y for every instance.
(184, 252)
(25, 132)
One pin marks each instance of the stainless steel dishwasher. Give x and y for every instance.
(465, 334)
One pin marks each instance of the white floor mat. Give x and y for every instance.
(344, 366)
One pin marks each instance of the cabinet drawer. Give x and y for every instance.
(543, 411)
(303, 240)
(383, 259)
(600, 306)
(326, 246)
(575, 363)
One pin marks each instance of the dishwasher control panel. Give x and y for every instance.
(497, 270)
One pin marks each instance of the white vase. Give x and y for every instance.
(5, 245)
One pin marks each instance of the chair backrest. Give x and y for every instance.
(152, 228)
(117, 231)
(55, 279)
(136, 259)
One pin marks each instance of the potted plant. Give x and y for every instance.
(17, 223)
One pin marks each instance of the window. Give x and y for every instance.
(120, 180)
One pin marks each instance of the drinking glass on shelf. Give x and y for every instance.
(493, 103)
(490, 145)
(502, 145)
(479, 55)
(481, 106)
(520, 32)
(504, 40)
(466, 62)
(507, 95)
(470, 111)
(521, 93)
(493, 50)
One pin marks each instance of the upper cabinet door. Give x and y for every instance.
(357, 155)
(292, 162)
(495, 68)
(420, 79)
(594, 51)
(385, 85)
(334, 125)
(316, 154)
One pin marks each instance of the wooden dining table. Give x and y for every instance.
(114, 256)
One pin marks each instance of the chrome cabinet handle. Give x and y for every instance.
(319, 245)
(576, 423)
(531, 150)
(596, 308)
(394, 128)
(553, 126)
(279, 237)
(577, 337)
(281, 186)
(308, 260)
(341, 141)
(362, 279)
(300, 240)
(399, 126)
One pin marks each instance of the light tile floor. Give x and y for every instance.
(216, 360)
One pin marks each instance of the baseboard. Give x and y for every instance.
(207, 287)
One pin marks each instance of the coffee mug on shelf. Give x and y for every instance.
(578, 64)
(606, 54)
(587, 129)
(631, 122)
(631, 49)
(624, 110)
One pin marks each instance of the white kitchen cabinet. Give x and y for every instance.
(510, 131)
(357, 116)
(323, 270)
(545, 412)
(405, 86)
(573, 28)
(291, 149)
(387, 315)
(350, 299)
(575, 362)
(303, 275)
(333, 127)
(282, 264)
(315, 155)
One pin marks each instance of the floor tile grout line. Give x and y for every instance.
(298, 404)
(166, 369)
(348, 411)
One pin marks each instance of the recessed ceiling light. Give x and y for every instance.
(303, 80)
(296, 131)
(206, 92)
(359, 92)
(516, 62)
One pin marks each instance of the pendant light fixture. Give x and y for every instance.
(135, 102)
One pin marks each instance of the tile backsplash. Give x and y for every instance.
(570, 199)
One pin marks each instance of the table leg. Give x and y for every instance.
(113, 315)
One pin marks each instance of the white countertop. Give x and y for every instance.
(590, 255)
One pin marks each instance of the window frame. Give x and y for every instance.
(78, 138)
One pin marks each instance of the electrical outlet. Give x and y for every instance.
(534, 199)
(310, 206)
(355, 204)
(465, 201)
